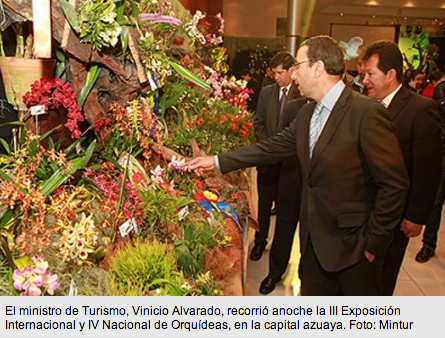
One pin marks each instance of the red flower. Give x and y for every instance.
(178, 41)
(137, 177)
(199, 185)
(199, 197)
(54, 91)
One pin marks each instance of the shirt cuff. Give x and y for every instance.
(217, 163)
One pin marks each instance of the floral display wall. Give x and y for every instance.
(142, 86)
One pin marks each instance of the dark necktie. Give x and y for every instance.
(281, 105)
(283, 100)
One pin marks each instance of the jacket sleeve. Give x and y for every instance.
(260, 120)
(385, 162)
(426, 163)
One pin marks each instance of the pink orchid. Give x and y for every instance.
(32, 279)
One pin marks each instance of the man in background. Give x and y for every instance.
(417, 123)
(269, 77)
(288, 208)
(428, 250)
(266, 124)
(254, 86)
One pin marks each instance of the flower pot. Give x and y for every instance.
(18, 75)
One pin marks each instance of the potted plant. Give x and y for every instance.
(22, 69)
(55, 104)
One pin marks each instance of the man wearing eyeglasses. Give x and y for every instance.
(354, 182)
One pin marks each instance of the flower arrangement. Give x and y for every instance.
(35, 279)
(217, 123)
(98, 23)
(78, 240)
(94, 203)
(48, 92)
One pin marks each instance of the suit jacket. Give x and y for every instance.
(290, 169)
(418, 130)
(290, 111)
(290, 172)
(355, 185)
(266, 118)
(439, 97)
(265, 123)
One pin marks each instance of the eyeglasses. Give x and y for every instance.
(296, 65)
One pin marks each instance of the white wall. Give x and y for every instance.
(253, 18)
(258, 18)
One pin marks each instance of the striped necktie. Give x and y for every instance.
(315, 127)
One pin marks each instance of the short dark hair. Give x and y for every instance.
(435, 75)
(326, 49)
(390, 57)
(284, 59)
(416, 72)
(246, 72)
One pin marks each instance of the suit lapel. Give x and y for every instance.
(331, 126)
(272, 112)
(398, 102)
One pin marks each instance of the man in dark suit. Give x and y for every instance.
(428, 250)
(353, 177)
(288, 207)
(418, 127)
(269, 109)
(254, 86)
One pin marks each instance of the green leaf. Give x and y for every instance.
(72, 146)
(5, 176)
(58, 178)
(5, 145)
(70, 14)
(13, 123)
(61, 65)
(7, 216)
(93, 74)
(189, 76)
(49, 132)
(40, 173)
(89, 152)
(173, 100)
(120, 8)
(124, 39)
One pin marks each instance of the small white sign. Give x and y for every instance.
(73, 289)
(127, 226)
(183, 212)
(37, 110)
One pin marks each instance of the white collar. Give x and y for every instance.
(387, 100)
